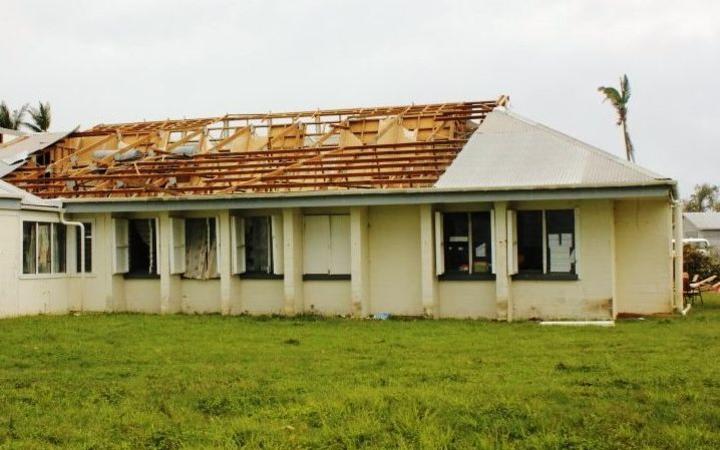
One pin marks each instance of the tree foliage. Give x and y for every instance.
(704, 198)
(620, 99)
(40, 117)
(12, 119)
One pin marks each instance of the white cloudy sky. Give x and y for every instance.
(101, 61)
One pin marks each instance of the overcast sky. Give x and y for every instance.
(98, 61)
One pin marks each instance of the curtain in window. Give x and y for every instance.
(44, 251)
(200, 249)
(29, 238)
(58, 250)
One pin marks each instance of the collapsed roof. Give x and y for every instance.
(358, 148)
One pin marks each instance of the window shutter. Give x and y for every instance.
(512, 244)
(340, 244)
(439, 244)
(238, 245)
(156, 237)
(278, 262)
(492, 240)
(177, 246)
(316, 244)
(121, 246)
(576, 241)
(217, 244)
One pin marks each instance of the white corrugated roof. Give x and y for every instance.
(508, 151)
(7, 190)
(14, 153)
(704, 220)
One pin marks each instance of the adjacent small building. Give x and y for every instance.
(703, 225)
(455, 210)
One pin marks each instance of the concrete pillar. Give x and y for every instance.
(170, 290)
(359, 267)
(678, 260)
(428, 280)
(292, 255)
(225, 269)
(503, 299)
(613, 261)
(113, 285)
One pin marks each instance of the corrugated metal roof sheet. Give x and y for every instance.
(13, 154)
(704, 220)
(509, 151)
(7, 190)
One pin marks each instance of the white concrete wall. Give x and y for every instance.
(257, 297)
(643, 256)
(624, 254)
(394, 253)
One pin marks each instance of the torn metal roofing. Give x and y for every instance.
(15, 153)
(510, 151)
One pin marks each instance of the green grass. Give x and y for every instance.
(137, 381)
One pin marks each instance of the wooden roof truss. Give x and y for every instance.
(358, 148)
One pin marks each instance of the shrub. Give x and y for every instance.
(702, 264)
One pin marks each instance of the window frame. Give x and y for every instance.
(53, 273)
(275, 270)
(77, 270)
(332, 273)
(572, 275)
(445, 275)
(153, 246)
(180, 242)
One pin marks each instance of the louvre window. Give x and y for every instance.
(44, 248)
(467, 243)
(546, 242)
(88, 248)
(258, 246)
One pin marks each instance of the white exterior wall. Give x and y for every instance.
(394, 260)
(624, 266)
(643, 230)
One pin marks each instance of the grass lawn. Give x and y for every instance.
(130, 381)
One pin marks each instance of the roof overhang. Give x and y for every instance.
(661, 189)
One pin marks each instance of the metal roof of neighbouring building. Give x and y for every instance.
(704, 220)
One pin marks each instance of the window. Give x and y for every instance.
(258, 246)
(467, 243)
(88, 248)
(530, 241)
(201, 252)
(326, 246)
(546, 242)
(136, 247)
(44, 247)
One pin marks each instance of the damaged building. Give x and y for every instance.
(457, 210)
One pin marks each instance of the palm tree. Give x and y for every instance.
(620, 101)
(12, 119)
(40, 117)
(705, 198)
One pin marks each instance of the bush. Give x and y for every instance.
(702, 264)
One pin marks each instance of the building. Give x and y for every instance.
(444, 210)
(704, 225)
